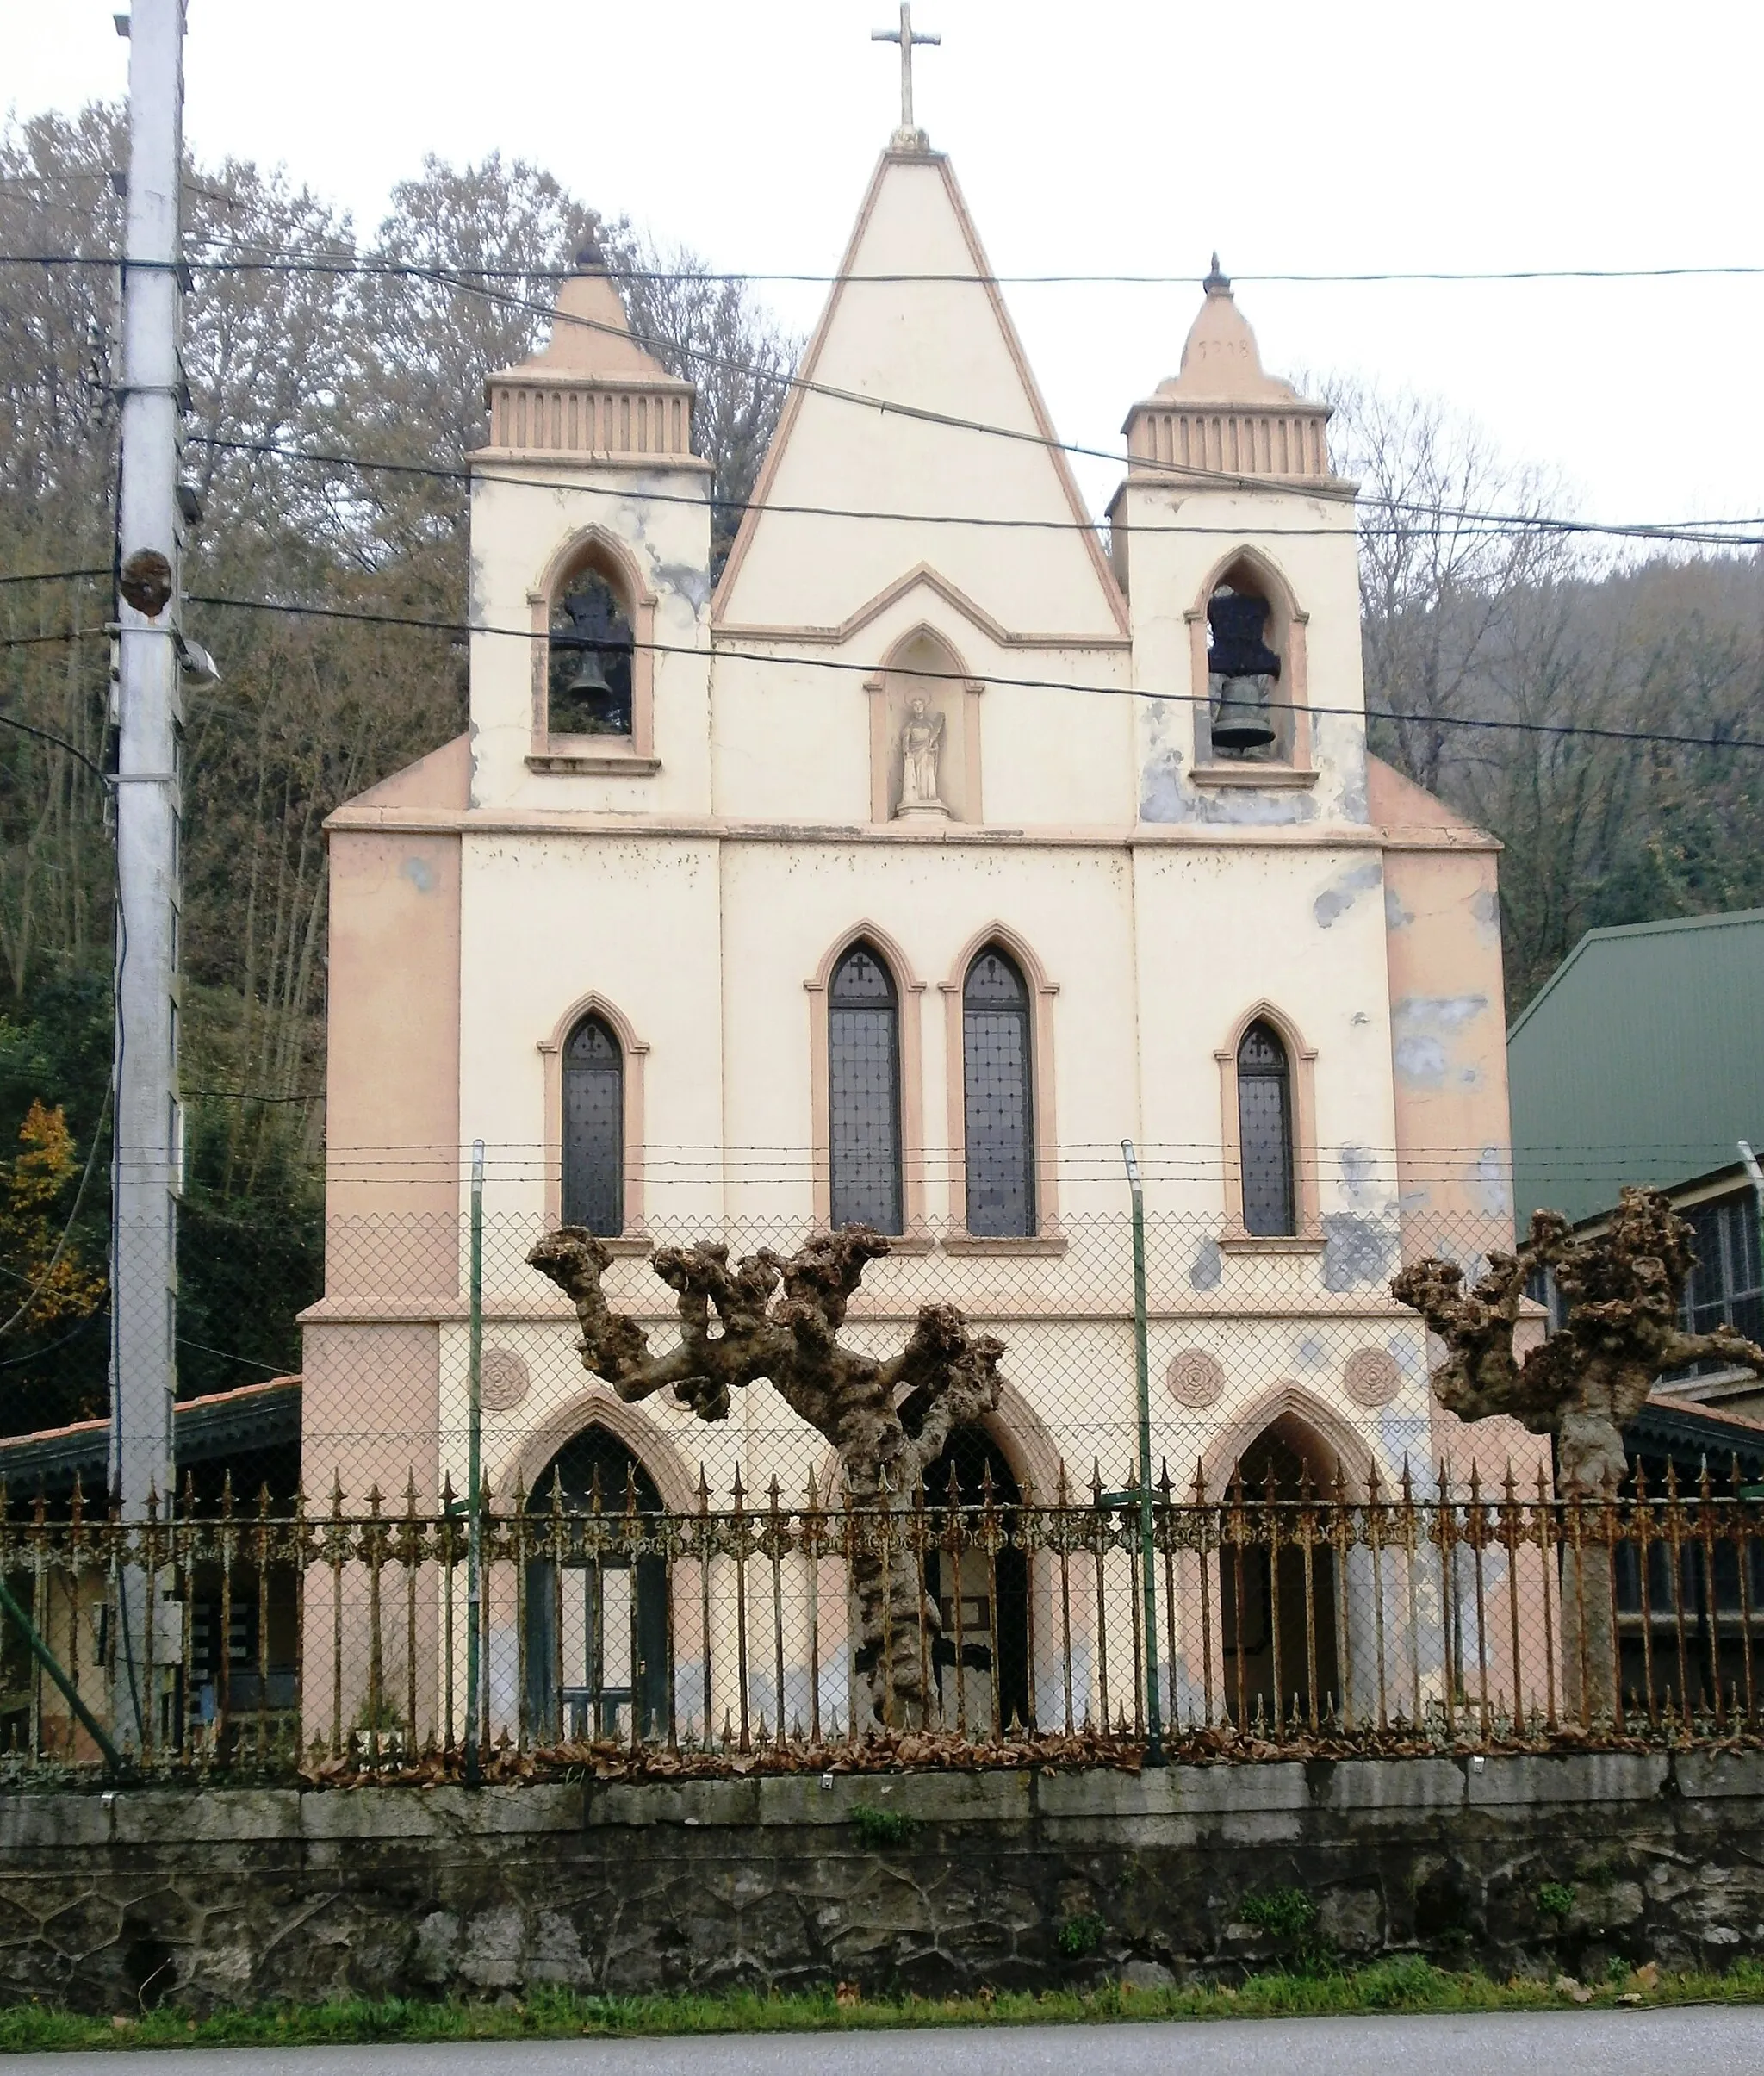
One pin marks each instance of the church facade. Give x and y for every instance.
(947, 841)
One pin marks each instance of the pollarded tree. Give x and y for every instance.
(779, 1319)
(1623, 1294)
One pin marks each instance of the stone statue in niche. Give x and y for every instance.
(920, 747)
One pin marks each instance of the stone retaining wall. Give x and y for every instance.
(238, 1896)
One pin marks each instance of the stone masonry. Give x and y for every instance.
(235, 1896)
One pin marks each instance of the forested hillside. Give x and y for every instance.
(1463, 620)
(387, 367)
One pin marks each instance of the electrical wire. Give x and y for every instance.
(48, 576)
(45, 735)
(1690, 531)
(952, 421)
(35, 641)
(1124, 692)
(273, 261)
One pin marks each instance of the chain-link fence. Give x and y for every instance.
(1321, 1557)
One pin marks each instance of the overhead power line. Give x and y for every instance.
(48, 576)
(271, 261)
(45, 735)
(1125, 692)
(1696, 533)
(898, 408)
(1692, 531)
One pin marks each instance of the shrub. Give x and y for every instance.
(1555, 1898)
(1080, 1936)
(878, 1828)
(1287, 1913)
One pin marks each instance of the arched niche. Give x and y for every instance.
(1245, 571)
(922, 666)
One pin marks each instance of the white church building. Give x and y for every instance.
(947, 840)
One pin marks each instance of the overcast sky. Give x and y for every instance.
(1101, 136)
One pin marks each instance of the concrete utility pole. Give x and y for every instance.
(147, 1177)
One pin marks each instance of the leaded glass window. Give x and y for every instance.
(999, 1135)
(863, 1087)
(594, 1128)
(1265, 1133)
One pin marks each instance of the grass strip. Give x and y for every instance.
(1409, 1984)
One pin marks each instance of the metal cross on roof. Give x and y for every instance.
(906, 35)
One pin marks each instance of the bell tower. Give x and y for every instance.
(591, 572)
(1235, 542)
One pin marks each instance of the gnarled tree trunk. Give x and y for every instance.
(1623, 1291)
(778, 1318)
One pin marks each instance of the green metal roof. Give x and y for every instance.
(1639, 1060)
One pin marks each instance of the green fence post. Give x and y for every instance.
(474, 1442)
(1148, 1576)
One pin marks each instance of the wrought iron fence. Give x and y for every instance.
(338, 1638)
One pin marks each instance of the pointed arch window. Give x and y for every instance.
(863, 1086)
(1265, 1135)
(594, 1128)
(998, 1099)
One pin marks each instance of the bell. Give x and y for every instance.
(1246, 669)
(1240, 714)
(589, 681)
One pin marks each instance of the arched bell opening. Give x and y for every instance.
(1248, 712)
(980, 1659)
(596, 1602)
(1279, 1593)
(589, 674)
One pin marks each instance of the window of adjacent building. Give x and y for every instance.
(589, 684)
(998, 1137)
(863, 1085)
(1725, 1287)
(1265, 1133)
(594, 1128)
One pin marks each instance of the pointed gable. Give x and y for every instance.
(946, 350)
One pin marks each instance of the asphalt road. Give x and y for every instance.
(1718, 2041)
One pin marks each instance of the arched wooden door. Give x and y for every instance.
(993, 1600)
(597, 1622)
(1278, 1598)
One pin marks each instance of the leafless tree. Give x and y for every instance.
(1622, 1292)
(778, 1319)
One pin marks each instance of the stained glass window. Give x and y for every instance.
(999, 1135)
(863, 1084)
(594, 1128)
(1264, 1132)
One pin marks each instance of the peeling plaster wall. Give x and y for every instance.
(517, 529)
(1318, 960)
(1448, 1029)
(1310, 540)
(697, 900)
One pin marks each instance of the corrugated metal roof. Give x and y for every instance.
(1639, 1060)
